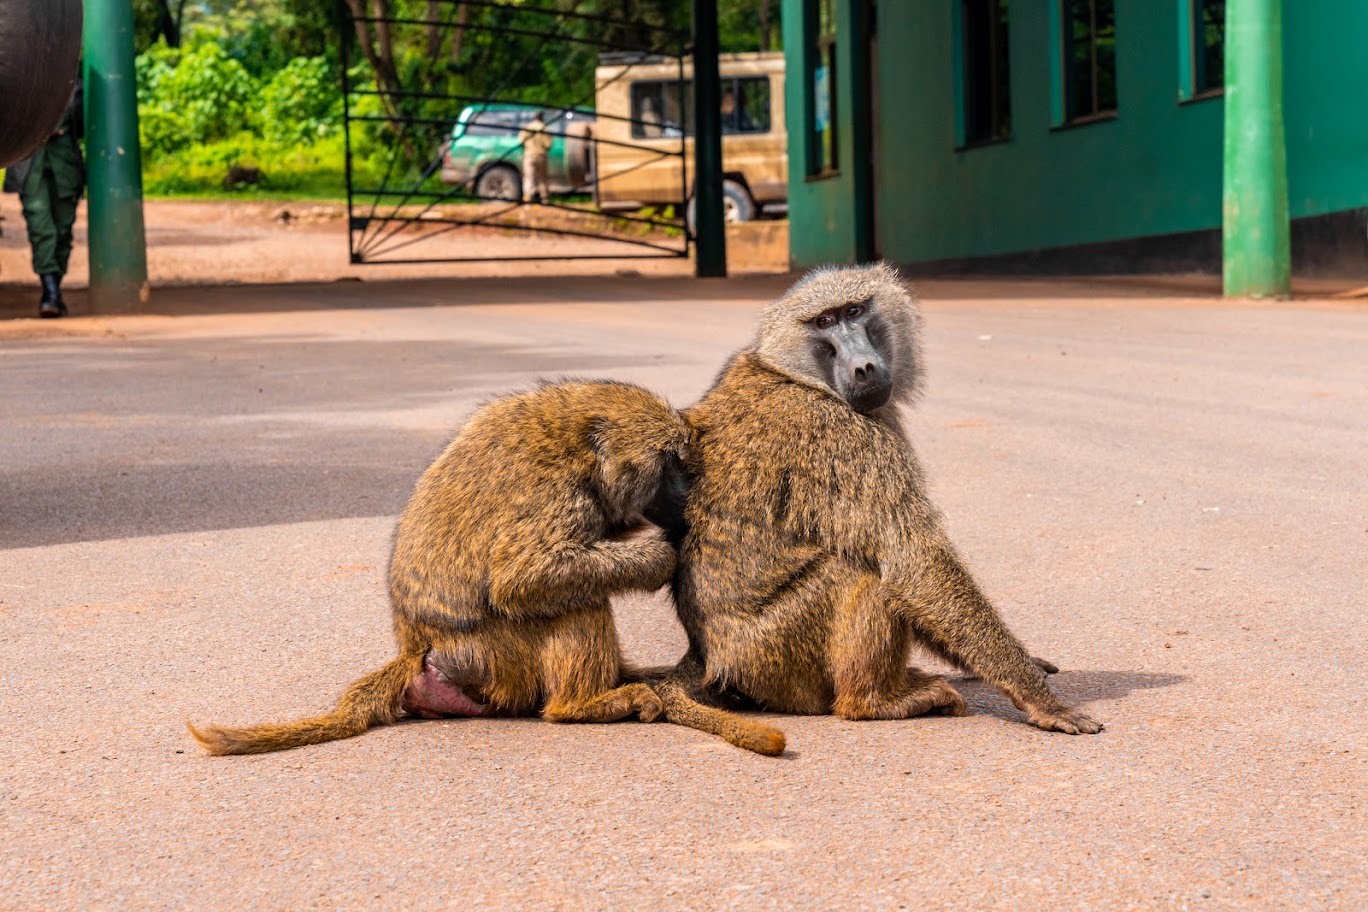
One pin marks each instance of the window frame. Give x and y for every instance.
(1059, 100)
(963, 142)
(734, 83)
(1191, 45)
(669, 86)
(821, 50)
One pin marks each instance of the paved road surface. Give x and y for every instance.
(1166, 497)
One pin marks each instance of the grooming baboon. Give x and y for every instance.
(503, 564)
(812, 557)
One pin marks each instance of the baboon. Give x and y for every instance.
(812, 558)
(502, 568)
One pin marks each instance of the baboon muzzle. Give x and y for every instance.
(864, 377)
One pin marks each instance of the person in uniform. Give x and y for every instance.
(536, 145)
(50, 183)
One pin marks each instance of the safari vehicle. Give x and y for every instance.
(485, 157)
(645, 116)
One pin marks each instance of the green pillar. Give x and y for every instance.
(1257, 250)
(710, 253)
(118, 244)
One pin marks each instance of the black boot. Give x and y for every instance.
(51, 303)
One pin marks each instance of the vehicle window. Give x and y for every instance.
(746, 105)
(658, 111)
(492, 123)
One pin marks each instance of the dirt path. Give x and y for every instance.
(200, 243)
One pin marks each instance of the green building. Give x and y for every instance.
(1078, 135)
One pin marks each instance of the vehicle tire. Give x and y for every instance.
(737, 205)
(499, 182)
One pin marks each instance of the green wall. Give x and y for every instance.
(1154, 169)
(827, 212)
(1325, 102)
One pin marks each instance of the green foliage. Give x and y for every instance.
(310, 171)
(301, 103)
(254, 84)
(202, 116)
(205, 93)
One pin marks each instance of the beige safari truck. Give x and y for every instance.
(645, 118)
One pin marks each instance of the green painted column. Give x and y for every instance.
(710, 254)
(1257, 247)
(118, 243)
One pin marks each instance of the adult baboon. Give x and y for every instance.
(813, 557)
(503, 565)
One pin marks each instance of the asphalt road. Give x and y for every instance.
(1167, 497)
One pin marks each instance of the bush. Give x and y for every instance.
(301, 103)
(199, 96)
(202, 118)
(316, 169)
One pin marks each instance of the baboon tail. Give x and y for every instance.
(683, 709)
(376, 699)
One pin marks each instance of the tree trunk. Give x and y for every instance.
(434, 28)
(458, 38)
(379, 52)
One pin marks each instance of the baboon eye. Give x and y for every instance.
(854, 310)
(824, 321)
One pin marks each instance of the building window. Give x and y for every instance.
(1208, 46)
(1089, 51)
(821, 82)
(984, 77)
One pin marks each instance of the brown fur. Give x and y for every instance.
(814, 559)
(504, 562)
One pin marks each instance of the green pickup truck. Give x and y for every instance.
(484, 157)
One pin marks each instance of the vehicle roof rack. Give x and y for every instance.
(626, 58)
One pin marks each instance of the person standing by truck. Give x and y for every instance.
(50, 183)
(536, 145)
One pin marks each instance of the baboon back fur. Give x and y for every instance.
(813, 558)
(504, 562)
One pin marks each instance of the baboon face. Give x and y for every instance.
(666, 509)
(848, 342)
(849, 331)
(640, 469)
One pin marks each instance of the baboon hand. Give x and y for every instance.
(655, 560)
(1068, 721)
(1045, 665)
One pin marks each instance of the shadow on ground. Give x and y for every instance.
(1076, 688)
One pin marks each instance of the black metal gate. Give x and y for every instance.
(440, 97)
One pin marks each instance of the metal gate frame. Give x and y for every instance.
(384, 221)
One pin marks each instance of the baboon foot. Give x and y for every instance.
(432, 695)
(646, 703)
(1068, 721)
(937, 696)
(924, 694)
(616, 704)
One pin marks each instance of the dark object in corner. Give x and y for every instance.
(40, 46)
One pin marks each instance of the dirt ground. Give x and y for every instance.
(1165, 495)
(200, 243)
(214, 242)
